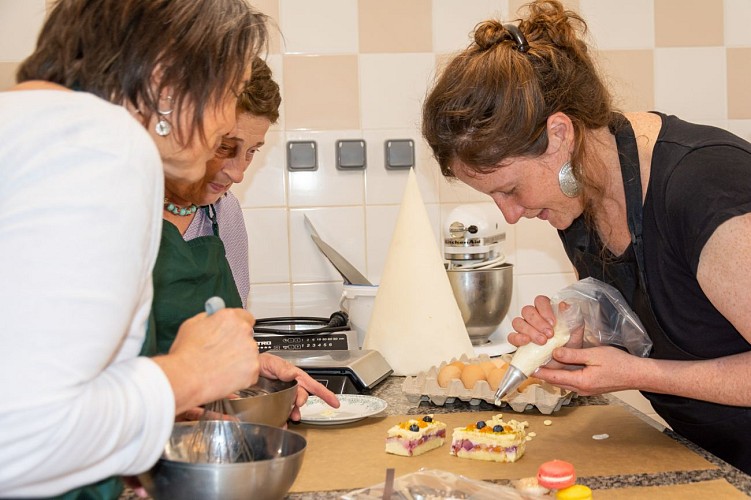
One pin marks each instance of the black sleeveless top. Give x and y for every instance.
(700, 177)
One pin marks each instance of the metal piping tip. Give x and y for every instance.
(511, 380)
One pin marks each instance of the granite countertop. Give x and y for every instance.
(391, 391)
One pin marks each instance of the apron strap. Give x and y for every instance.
(628, 154)
(210, 212)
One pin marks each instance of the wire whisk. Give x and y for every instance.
(218, 437)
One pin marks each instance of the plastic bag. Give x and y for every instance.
(608, 319)
(437, 484)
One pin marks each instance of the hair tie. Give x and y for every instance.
(519, 39)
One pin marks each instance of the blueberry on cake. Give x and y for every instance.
(492, 440)
(415, 437)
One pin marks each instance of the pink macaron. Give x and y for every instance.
(556, 474)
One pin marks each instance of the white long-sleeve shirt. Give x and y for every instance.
(81, 189)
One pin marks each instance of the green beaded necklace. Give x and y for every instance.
(172, 208)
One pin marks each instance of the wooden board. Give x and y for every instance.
(352, 456)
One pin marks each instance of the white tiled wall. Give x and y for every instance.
(20, 21)
(356, 211)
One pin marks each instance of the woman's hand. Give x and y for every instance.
(134, 484)
(212, 356)
(190, 415)
(275, 367)
(593, 370)
(537, 325)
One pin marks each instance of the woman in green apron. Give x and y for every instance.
(655, 206)
(186, 274)
(203, 252)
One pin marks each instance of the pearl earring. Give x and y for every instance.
(568, 183)
(163, 127)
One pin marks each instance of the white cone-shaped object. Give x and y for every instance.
(416, 322)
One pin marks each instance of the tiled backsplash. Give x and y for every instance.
(359, 69)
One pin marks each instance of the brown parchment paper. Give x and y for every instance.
(352, 455)
(716, 488)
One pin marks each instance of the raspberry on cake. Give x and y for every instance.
(492, 440)
(415, 437)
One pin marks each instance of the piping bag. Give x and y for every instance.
(528, 358)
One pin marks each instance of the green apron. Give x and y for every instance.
(106, 489)
(187, 273)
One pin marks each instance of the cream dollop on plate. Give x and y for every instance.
(352, 407)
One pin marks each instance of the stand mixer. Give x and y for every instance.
(481, 280)
(473, 237)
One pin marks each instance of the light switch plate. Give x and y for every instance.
(400, 153)
(302, 155)
(350, 154)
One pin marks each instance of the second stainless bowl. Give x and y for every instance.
(267, 402)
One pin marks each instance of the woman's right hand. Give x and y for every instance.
(535, 324)
(212, 356)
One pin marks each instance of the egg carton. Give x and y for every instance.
(424, 387)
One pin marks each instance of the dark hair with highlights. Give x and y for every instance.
(261, 96)
(492, 101)
(199, 49)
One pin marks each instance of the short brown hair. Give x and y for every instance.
(492, 101)
(201, 49)
(261, 96)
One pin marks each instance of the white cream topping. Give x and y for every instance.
(528, 358)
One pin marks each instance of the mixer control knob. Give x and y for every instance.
(472, 229)
(456, 230)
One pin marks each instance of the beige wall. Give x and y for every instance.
(360, 69)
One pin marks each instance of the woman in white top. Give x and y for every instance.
(118, 95)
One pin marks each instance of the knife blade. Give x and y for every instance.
(349, 272)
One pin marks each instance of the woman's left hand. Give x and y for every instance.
(592, 370)
(275, 367)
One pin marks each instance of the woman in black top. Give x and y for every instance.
(655, 206)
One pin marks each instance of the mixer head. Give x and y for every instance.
(473, 235)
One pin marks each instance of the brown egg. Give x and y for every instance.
(459, 364)
(447, 374)
(487, 367)
(471, 375)
(496, 376)
(528, 382)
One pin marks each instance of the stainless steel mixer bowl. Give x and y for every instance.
(278, 456)
(267, 402)
(484, 297)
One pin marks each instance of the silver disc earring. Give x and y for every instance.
(163, 127)
(569, 185)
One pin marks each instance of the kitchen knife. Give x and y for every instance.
(349, 272)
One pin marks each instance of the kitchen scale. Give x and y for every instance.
(326, 348)
(303, 333)
(342, 372)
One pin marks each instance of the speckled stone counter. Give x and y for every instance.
(391, 391)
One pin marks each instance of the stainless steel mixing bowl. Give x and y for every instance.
(267, 402)
(484, 297)
(278, 456)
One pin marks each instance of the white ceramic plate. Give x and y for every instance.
(353, 407)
